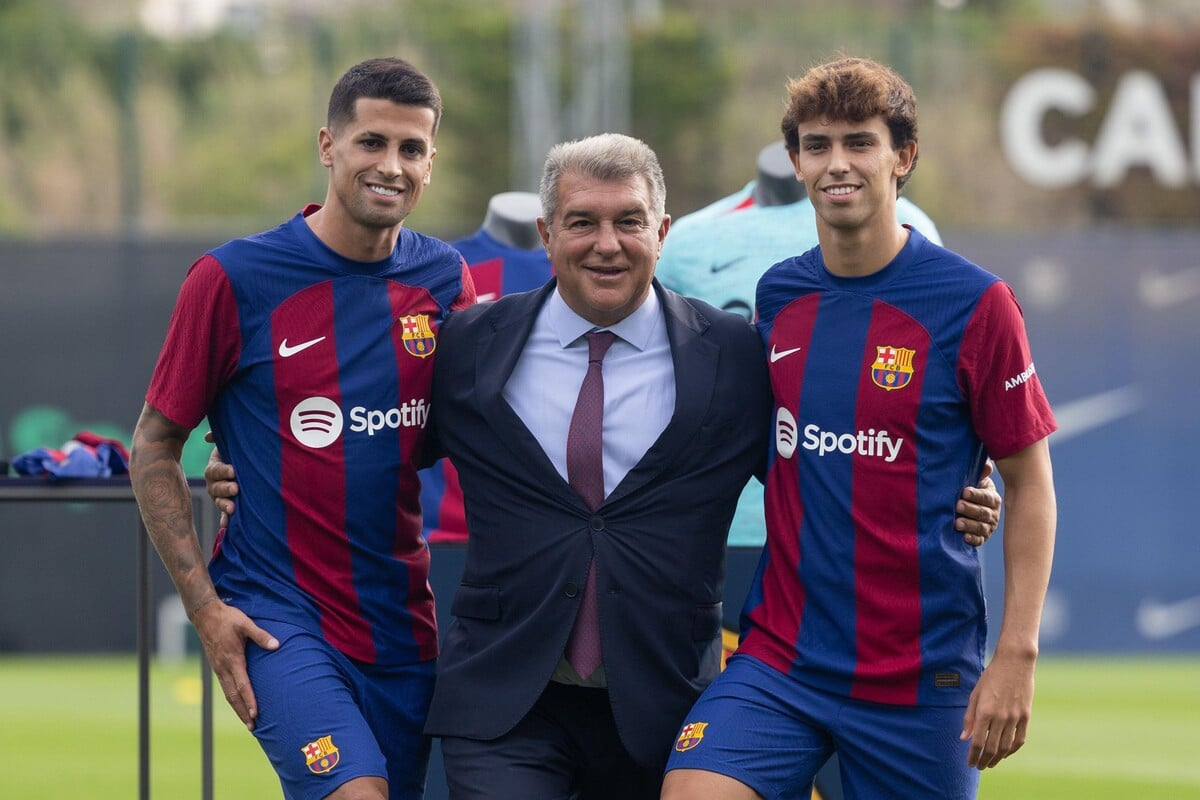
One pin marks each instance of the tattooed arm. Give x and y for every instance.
(166, 507)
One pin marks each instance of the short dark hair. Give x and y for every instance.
(384, 79)
(852, 90)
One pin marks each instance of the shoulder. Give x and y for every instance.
(493, 314)
(724, 327)
(942, 264)
(786, 280)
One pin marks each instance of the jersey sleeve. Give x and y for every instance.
(996, 372)
(467, 296)
(200, 353)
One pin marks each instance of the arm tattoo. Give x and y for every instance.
(166, 504)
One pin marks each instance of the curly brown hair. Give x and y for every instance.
(852, 90)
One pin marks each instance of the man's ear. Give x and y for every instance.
(906, 158)
(325, 147)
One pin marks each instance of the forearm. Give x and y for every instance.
(1030, 517)
(164, 501)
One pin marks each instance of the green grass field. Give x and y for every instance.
(1111, 729)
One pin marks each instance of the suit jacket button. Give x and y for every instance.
(597, 523)
(571, 590)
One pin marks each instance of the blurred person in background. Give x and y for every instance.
(505, 255)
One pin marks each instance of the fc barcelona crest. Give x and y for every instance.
(417, 335)
(690, 736)
(893, 367)
(321, 756)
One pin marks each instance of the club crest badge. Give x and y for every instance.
(893, 367)
(321, 756)
(417, 335)
(690, 736)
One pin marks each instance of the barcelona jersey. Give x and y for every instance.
(890, 391)
(314, 371)
(718, 253)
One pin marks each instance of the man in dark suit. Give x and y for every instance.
(684, 425)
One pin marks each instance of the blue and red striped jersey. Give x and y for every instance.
(496, 269)
(890, 390)
(314, 371)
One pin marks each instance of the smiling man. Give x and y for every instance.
(863, 633)
(304, 345)
(589, 613)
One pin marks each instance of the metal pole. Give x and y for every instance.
(206, 525)
(143, 659)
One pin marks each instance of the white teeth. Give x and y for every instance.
(839, 190)
(385, 191)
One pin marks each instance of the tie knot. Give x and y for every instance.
(598, 344)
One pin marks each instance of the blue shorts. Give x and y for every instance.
(772, 733)
(324, 719)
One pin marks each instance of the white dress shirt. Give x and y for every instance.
(639, 383)
(639, 396)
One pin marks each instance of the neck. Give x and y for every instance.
(859, 252)
(349, 239)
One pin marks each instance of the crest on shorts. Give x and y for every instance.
(893, 367)
(417, 335)
(690, 736)
(321, 756)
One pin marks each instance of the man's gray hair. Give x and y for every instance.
(604, 157)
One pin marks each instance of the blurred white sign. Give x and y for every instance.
(1137, 130)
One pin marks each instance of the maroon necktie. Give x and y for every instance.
(585, 473)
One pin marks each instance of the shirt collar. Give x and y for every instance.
(635, 329)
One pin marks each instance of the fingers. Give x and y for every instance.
(984, 495)
(219, 472)
(991, 746)
(994, 735)
(221, 493)
(235, 685)
(261, 638)
(976, 523)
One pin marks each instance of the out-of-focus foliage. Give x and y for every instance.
(219, 132)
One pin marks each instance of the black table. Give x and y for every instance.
(118, 489)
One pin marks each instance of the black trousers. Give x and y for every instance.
(566, 748)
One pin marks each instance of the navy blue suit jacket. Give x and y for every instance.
(658, 538)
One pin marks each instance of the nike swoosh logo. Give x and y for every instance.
(715, 268)
(1163, 620)
(778, 354)
(287, 352)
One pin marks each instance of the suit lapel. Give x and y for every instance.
(496, 356)
(694, 357)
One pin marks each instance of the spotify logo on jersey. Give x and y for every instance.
(316, 422)
(785, 433)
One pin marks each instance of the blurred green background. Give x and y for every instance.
(198, 116)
